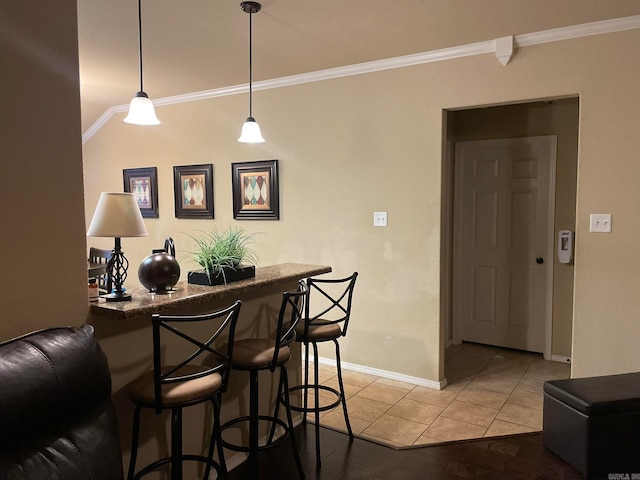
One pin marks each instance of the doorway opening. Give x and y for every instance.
(491, 205)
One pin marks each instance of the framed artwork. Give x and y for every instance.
(193, 191)
(255, 190)
(143, 183)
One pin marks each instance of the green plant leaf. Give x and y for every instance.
(216, 251)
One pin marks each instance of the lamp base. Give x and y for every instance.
(117, 297)
(117, 268)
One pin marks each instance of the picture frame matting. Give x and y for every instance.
(255, 190)
(143, 183)
(193, 191)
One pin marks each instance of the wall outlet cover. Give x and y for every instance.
(379, 219)
(600, 222)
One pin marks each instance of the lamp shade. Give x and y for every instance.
(141, 111)
(117, 215)
(251, 132)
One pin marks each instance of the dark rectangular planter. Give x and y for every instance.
(200, 277)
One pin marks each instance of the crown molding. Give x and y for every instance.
(578, 31)
(480, 48)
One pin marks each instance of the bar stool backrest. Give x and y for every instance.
(291, 312)
(331, 301)
(101, 256)
(205, 353)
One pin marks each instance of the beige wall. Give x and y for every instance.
(559, 118)
(355, 145)
(43, 274)
(376, 145)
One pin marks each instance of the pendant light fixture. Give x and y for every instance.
(250, 129)
(141, 111)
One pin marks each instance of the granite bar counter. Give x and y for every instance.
(187, 298)
(124, 332)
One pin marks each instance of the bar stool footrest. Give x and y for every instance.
(246, 418)
(167, 460)
(311, 408)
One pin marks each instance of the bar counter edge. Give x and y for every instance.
(188, 296)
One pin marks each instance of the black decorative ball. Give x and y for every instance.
(159, 272)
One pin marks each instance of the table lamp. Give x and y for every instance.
(117, 215)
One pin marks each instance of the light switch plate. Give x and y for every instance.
(379, 219)
(600, 222)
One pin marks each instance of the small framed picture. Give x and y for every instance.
(143, 183)
(255, 190)
(193, 191)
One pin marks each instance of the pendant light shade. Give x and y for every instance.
(141, 111)
(250, 130)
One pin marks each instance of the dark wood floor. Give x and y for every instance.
(508, 458)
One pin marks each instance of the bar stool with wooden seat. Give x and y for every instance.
(331, 302)
(200, 377)
(257, 354)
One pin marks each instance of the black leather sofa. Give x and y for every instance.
(56, 416)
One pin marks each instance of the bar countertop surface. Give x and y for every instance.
(144, 303)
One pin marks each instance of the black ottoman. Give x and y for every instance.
(594, 423)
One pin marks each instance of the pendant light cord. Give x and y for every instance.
(140, 40)
(250, 67)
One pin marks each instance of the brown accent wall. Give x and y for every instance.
(43, 277)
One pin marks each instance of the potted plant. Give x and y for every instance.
(224, 257)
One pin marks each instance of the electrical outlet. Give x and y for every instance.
(600, 222)
(379, 219)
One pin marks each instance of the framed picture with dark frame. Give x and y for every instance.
(143, 183)
(193, 191)
(255, 190)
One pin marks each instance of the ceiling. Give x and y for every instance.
(195, 45)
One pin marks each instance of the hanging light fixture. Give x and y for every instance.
(141, 110)
(250, 129)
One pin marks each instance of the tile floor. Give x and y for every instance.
(491, 391)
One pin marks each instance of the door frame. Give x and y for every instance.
(455, 240)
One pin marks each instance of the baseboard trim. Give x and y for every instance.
(560, 358)
(423, 382)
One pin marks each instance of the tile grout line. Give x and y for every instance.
(455, 398)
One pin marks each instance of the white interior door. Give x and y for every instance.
(503, 245)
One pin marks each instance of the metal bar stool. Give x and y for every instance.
(331, 300)
(256, 354)
(98, 256)
(202, 376)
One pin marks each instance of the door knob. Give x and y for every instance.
(539, 260)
